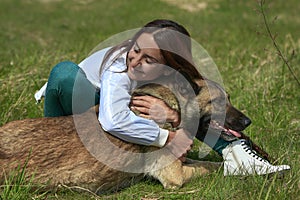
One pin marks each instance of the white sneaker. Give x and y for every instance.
(239, 159)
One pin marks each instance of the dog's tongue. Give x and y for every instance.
(235, 133)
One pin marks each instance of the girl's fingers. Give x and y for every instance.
(156, 108)
(148, 99)
(141, 103)
(145, 116)
(140, 109)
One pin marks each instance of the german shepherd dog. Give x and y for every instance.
(74, 151)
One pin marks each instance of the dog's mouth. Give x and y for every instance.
(224, 130)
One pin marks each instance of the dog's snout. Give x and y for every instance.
(247, 121)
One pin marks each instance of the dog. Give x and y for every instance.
(215, 110)
(74, 151)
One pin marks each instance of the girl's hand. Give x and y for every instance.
(179, 143)
(155, 109)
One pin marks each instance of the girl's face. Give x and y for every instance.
(144, 60)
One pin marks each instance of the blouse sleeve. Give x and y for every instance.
(116, 117)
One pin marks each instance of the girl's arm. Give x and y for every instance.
(116, 117)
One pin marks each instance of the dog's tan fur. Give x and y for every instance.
(55, 155)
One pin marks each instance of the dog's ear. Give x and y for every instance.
(201, 83)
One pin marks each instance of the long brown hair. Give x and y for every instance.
(175, 45)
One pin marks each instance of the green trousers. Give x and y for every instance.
(70, 92)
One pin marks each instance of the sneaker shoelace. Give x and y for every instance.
(251, 152)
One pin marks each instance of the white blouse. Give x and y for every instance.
(115, 115)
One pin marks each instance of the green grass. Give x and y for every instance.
(36, 35)
(17, 187)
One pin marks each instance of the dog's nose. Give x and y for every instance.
(247, 122)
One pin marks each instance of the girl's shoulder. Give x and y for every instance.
(117, 62)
